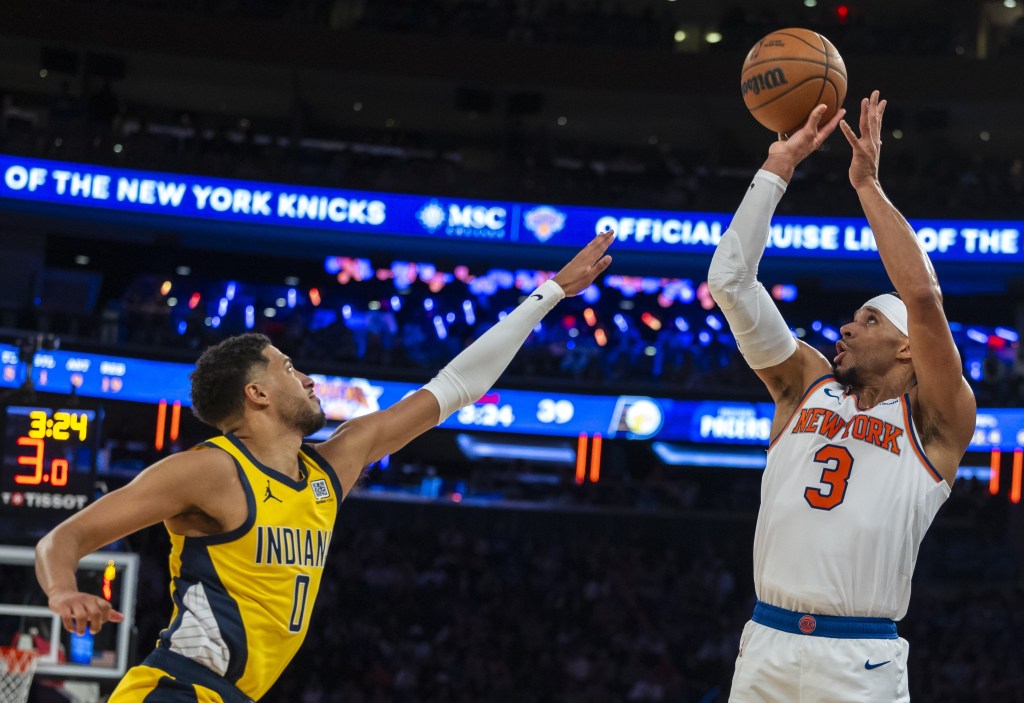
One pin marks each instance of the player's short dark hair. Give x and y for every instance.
(221, 373)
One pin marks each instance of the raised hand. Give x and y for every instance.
(787, 153)
(867, 148)
(809, 138)
(579, 273)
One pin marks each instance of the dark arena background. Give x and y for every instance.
(373, 184)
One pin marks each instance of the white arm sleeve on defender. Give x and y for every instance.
(471, 374)
(761, 334)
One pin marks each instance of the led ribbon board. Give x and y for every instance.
(512, 411)
(320, 211)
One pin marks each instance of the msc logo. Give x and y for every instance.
(544, 222)
(431, 216)
(771, 78)
(463, 220)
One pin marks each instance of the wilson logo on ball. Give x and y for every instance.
(771, 78)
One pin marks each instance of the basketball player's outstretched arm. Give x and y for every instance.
(785, 365)
(366, 439)
(944, 399)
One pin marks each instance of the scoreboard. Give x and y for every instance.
(48, 467)
(537, 412)
(632, 417)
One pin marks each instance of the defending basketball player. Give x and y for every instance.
(250, 513)
(864, 449)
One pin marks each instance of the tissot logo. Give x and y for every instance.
(34, 499)
(459, 220)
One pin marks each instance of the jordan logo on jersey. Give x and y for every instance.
(863, 427)
(268, 495)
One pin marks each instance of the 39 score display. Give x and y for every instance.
(48, 459)
(554, 411)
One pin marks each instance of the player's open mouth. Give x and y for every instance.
(841, 352)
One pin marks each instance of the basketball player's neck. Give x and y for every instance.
(272, 444)
(872, 391)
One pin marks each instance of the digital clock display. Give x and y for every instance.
(486, 415)
(49, 463)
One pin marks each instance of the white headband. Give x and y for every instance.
(893, 308)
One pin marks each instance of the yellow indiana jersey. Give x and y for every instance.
(242, 599)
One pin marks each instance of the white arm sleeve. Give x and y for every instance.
(471, 374)
(761, 334)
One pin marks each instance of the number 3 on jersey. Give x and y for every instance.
(838, 463)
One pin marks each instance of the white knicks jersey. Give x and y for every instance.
(846, 499)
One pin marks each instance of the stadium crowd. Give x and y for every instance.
(644, 25)
(405, 320)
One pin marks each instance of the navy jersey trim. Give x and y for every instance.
(196, 556)
(918, 447)
(327, 469)
(164, 638)
(250, 511)
(170, 690)
(297, 485)
(187, 672)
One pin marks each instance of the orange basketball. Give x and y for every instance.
(789, 73)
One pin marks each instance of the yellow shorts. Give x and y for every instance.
(165, 677)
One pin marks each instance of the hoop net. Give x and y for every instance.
(16, 669)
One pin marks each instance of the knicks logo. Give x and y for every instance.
(544, 222)
(807, 624)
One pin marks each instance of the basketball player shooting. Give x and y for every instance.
(251, 512)
(864, 449)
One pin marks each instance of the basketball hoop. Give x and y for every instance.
(16, 669)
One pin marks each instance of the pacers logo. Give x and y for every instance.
(807, 624)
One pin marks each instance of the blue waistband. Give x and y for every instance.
(835, 626)
(181, 667)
